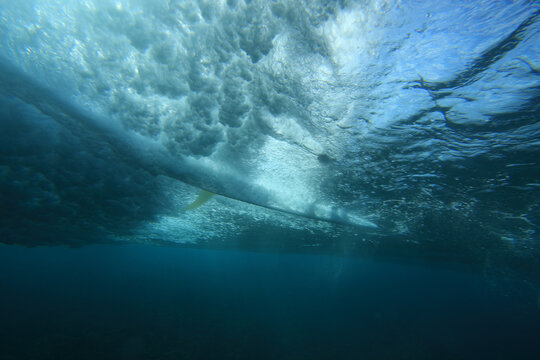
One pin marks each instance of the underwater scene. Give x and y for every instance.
(269, 179)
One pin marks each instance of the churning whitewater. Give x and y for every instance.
(359, 127)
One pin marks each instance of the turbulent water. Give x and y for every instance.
(371, 167)
(401, 129)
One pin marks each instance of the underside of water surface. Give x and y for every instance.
(399, 129)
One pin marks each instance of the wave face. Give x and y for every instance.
(412, 128)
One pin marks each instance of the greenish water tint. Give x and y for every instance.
(148, 302)
(375, 164)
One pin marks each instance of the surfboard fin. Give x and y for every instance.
(203, 197)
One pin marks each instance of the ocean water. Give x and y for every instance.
(269, 179)
(151, 302)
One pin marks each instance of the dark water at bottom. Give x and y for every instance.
(146, 302)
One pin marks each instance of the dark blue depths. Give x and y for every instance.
(148, 302)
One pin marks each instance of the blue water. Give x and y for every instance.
(148, 302)
(370, 172)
